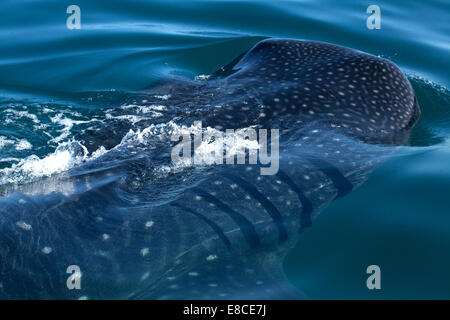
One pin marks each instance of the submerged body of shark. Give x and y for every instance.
(213, 232)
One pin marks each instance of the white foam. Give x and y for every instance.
(19, 145)
(202, 77)
(72, 153)
(99, 152)
(151, 110)
(67, 123)
(23, 145)
(10, 159)
(131, 118)
(5, 141)
(23, 114)
(163, 97)
(235, 143)
(66, 156)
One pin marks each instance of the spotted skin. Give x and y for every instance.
(220, 232)
(359, 95)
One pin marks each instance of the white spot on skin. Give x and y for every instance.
(46, 250)
(149, 224)
(193, 274)
(211, 257)
(145, 251)
(145, 276)
(23, 225)
(105, 237)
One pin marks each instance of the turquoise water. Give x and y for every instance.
(51, 77)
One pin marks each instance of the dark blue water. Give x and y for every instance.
(55, 83)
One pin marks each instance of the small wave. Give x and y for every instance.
(418, 78)
(433, 99)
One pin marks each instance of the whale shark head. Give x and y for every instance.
(139, 227)
(357, 94)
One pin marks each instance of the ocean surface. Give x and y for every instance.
(56, 82)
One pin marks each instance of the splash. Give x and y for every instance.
(66, 156)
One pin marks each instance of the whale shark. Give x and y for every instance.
(137, 226)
